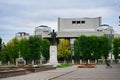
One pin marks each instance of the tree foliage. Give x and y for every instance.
(0, 44)
(24, 49)
(76, 51)
(116, 48)
(105, 46)
(64, 49)
(30, 49)
(85, 47)
(92, 47)
(95, 47)
(4, 56)
(12, 49)
(0, 48)
(45, 49)
(35, 43)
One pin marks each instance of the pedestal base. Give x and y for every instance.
(53, 57)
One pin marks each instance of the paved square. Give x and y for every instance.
(98, 73)
(73, 73)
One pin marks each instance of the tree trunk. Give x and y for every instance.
(26, 62)
(116, 60)
(64, 61)
(97, 61)
(87, 62)
(14, 61)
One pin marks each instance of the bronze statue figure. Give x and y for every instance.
(53, 37)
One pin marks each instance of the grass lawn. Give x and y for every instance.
(64, 65)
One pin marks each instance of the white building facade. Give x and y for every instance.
(78, 24)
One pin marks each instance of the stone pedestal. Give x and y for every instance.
(53, 56)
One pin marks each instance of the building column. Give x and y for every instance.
(0, 62)
(80, 61)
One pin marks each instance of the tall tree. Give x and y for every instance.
(76, 51)
(12, 49)
(35, 44)
(85, 47)
(94, 41)
(0, 43)
(5, 55)
(116, 48)
(45, 49)
(105, 46)
(24, 49)
(64, 49)
(92, 47)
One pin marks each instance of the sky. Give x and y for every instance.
(24, 15)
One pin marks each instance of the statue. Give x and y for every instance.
(53, 37)
(53, 50)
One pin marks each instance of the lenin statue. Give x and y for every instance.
(53, 37)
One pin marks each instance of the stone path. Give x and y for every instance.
(73, 73)
(98, 73)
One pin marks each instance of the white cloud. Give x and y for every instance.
(83, 12)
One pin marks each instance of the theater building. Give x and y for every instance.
(72, 28)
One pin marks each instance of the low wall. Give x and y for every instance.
(40, 68)
(15, 71)
(9, 73)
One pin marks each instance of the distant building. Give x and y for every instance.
(42, 30)
(71, 28)
(78, 24)
(20, 35)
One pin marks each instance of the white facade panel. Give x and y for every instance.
(78, 24)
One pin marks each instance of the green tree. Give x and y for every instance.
(0, 44)
(94, 40)
(85, 47)
(64, 49)
(5, 55)
(76, 51)
(0, 49)
(92, 47)
(24, 49)
(35, 45)
(105, 46)
(12, 49)
(45, 49)
(116, 48)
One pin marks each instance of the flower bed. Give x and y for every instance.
(86, 66)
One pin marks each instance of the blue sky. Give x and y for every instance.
(25, 15)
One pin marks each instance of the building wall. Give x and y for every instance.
(21, 35)
(78, 24)
(42, 30)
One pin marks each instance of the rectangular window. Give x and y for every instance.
(73, 22)
(78, 22)
(82, 22)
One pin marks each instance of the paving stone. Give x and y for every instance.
(73, 73)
